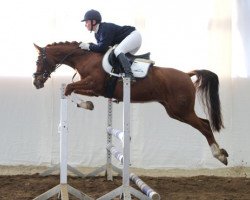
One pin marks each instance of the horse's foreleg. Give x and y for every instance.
(84, 84)
(81, 103)
(90, 93)
(85, 104)
(83, 87)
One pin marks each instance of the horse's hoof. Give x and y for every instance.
(224, 152)
(223, 156)
(224, 161)
(115, 101)
(86, 105)
(89, 105)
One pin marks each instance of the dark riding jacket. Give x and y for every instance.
(108, 35)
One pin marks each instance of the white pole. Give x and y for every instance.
(63, 130)
(109, 141)
(126, 131)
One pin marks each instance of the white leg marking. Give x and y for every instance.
(215, 150)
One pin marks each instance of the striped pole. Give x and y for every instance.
(144, 187)
(117, 133)
(117, 154)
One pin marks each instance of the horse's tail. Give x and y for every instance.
(208, 83)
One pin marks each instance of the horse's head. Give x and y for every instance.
(44, 68)
(51, 57)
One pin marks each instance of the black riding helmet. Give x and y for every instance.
(93, 15)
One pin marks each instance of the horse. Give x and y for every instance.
(172, 88)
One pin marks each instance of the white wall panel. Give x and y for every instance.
(30, 117)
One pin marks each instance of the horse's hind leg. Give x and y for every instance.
(204, 127)
(218, 153)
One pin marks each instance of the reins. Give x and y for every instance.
(74, 76)
(65, 57)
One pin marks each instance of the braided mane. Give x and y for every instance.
(74, 43)
(68, 46)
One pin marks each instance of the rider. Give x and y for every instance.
(127, 38)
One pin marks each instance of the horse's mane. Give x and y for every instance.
(72, 46)
(67, 43)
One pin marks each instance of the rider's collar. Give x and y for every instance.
(97, 28)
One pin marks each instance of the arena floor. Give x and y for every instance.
(24, 183)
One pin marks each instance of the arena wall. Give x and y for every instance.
(30, 118)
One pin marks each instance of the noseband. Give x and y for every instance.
(48, 68)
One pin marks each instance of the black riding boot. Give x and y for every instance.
(126, 66)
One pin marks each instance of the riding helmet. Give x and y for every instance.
(92, 15)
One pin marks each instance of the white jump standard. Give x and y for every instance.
(63, 189)
(125, 190)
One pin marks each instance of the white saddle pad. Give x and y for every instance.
(139, 67)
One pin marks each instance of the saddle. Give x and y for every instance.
(139, 67)
(139, 64)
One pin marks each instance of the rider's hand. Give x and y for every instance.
(84, 46)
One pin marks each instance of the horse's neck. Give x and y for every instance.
(62, 55)
(76, 58)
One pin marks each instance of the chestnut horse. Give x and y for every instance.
(170, 87)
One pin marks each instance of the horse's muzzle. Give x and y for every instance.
(38, 83)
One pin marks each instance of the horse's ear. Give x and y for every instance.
(37, 47)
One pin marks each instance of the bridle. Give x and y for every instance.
(48, 67)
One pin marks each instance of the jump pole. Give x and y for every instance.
(63, 189)
(125, 190)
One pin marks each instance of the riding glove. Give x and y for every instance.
(84, 46)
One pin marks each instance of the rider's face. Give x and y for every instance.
(88, 24)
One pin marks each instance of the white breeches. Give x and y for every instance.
(131, 44)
